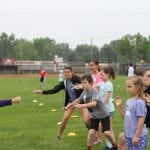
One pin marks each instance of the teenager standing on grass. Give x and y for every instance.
(134, 115)
(43, 74)
(91, 100)
(105, 89)
(70, 95)
(130, 70)
(10, 101)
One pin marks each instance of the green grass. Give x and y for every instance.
(28, 126)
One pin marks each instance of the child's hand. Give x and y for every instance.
(135, 140)
(16, 99)
(118, 101)
(147, 98)
(65, 108)
(37, 91)
(77, 86)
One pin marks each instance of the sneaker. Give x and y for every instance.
(58, 138)
(107, 148)
(108, 143)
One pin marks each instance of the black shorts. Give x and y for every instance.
(42, 79)
(105, 123)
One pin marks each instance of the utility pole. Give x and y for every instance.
(91, 49)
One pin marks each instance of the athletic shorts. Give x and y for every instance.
(105, 123)
(141, 144)
(42, 79)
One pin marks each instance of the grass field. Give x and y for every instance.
(29, 126)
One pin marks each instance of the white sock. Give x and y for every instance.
(108, 143)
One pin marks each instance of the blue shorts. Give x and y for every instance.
(141, 144)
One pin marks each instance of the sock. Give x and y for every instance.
(108, 143)
(115, 145)
(89, 148)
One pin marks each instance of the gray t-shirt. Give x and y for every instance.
(98, 112)
(134, 109)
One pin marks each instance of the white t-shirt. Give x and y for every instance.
(130, 71)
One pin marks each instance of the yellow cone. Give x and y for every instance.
(41, 104)
(71, 134)
(74, 116)
(53, 109)
(58, 123)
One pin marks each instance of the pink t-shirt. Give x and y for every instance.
(96, 78)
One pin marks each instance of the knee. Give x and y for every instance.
(65, 118)
(121, 138)
(91, 133)
(107, 133)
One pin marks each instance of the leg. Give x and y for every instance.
(122, 142)
(86, 116)
(97, 137)
(91, 135)
(64, 120)
(105, 123)
(109, 136)
(113, 135)
(108, 143)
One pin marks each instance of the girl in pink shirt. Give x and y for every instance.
(95, 72)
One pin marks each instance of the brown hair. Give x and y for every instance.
(69, 68)
(109, 70)
(137, 81)
(141, 71)
(96, 62)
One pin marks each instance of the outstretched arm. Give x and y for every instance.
(37, 91)
(54, 90)
(93, 103)
(10, 101)
(71, 104)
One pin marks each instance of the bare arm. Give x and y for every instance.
(93, 103)
(138, 130)
(37, 91)
(119, 106)
(106, 98)
(71, 104)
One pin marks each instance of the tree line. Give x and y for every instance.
(126, 49)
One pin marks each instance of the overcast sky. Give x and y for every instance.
(75, 21)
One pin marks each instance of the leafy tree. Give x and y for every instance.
(86, 52)
(45, 47)
(108, 54)
(6, 45)
(63, 50)
(24, 50)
